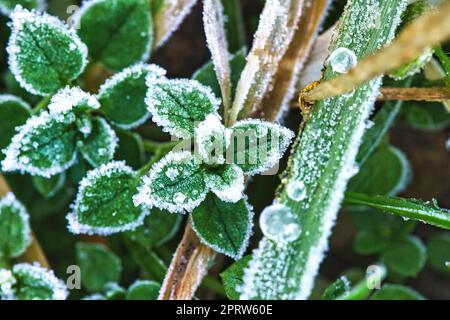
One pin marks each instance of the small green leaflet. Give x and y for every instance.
(143, 290)
(44, 146)
(48, 187)
(14, 112)
(438, 252)
(226, 182)
(405, 256)
(175, 184)
(113, 291)
(386, 171)
(7, 6)
(44, 54)
(100, 145)
(179, 105)
(98, 265)
(232, 277)
(31, 282)
(256, 146)
(223, 226)
(118, 33)
(104, 202)
(122, 97)
(396, 292)
(15, 234)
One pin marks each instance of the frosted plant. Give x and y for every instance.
(7, 6)
(31, 282)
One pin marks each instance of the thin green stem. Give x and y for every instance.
(234, 24)
(445, 61)
(42, 104)
(361, 290)
(152, 146)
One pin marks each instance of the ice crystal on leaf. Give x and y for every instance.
(72, 99)
(104, 202)
(212, 139)
(7, 281)
(178, 105)
(122, 96)
(15, 234)
(44, 54)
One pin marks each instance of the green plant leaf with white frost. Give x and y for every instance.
(99, 147)
(15, 234)
(44, 54)
(256, 146)
(178, 105)
(104, 202)
(224, 226)
(47, 143)
(14, 112)
(122, 97)
(323, 161)
(118, 33)
(31, 282)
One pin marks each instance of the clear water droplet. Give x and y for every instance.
(279, 224)
(342, 60)
(296, 190)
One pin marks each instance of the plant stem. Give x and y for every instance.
(41, 105)
(414, 94)
(361, 290)
(445, 61)
(234, 24)
(410, 43)
(152, 146)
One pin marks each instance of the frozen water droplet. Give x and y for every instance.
(172, 173)
(179, 197)
(296, 190)
(279, 223)
(342, 60)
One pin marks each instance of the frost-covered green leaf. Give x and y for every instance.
(15, 234)
(73, 99)
(257, 146)
(45, 145)
(387, 172)
(323, 160)
(406, 256)
(14, 112)
(32, 282)
(118, 33)
(104, 202)
(226, 182)
(232, 277)
(44, 54)
(224, 226)
(427, 212)
(339, 288)
(122, 97)
(99, 147)
(212, 140)
(48, 187)
(143, 290)
(438, 252)
(158, 228)
(396, 292)
(7, 6)
(178, 105)
(175, 184)
(98, 265)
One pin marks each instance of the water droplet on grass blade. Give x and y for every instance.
(296, 190)
(279, 224)
(342, 60)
